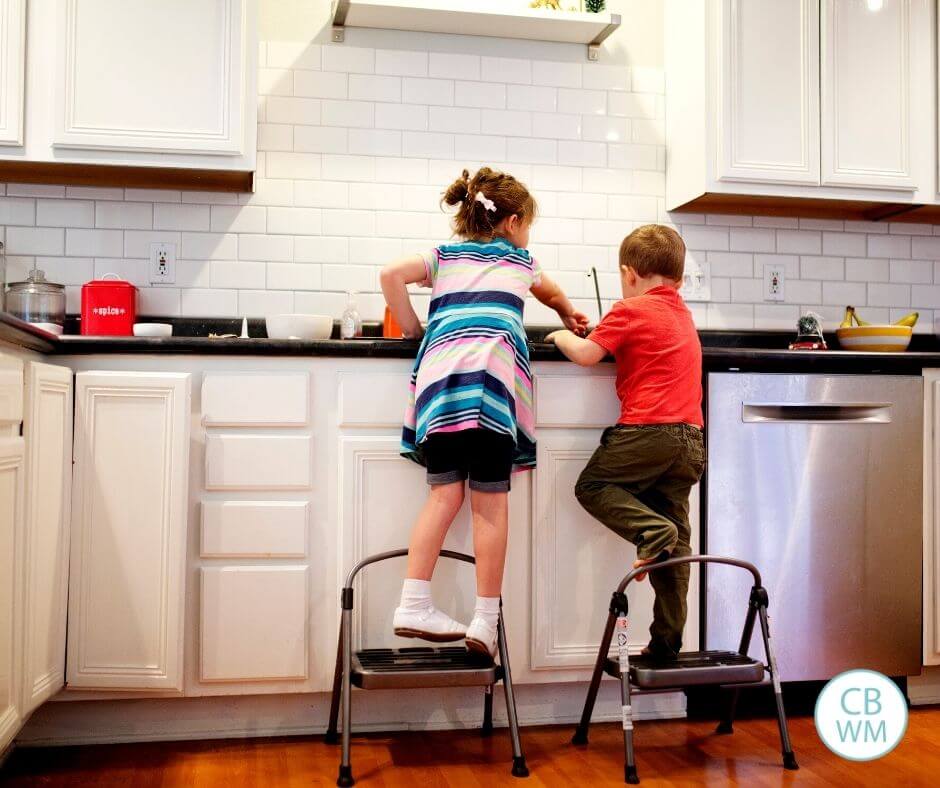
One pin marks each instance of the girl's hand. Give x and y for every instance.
(576, 322)
(416, 334)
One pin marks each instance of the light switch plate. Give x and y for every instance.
(775, 276)
(696, 282)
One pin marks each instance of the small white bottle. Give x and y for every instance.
(350, 325)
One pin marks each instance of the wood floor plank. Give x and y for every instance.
(669, 753)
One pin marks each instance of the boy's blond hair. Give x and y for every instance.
(654, 249)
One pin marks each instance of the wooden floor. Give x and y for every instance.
(674, 753)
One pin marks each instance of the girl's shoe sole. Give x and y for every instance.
(431, 637)
(478, 647)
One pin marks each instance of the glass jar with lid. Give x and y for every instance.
(37, 300)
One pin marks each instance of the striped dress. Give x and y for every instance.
(472, 369)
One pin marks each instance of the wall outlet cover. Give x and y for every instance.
(696, 282)
(774, 280)
(162, 263)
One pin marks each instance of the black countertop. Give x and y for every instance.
(760, 351)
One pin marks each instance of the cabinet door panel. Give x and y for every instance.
(12, 70)
(258, 462)
(252, 399)
(769, 91)
(139, 75)
(866, 92)
(254, 529)
(126, 584)
(254, 623)
(11, 396)
(47, 429)
(11, 532)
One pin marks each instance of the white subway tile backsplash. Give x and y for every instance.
(842, 244)
(275, 81)
(845, 293)
(89, 243)
(582, 102)
(534, 98)
(293, 221)
(301, 166)
(559, 75)
(35, 241)
(775, 317)
(173, 216)
(152, 195)
(236, 274)
(784, 222)
(631, 105)
(739, 316)
(208, 303)
(458, 120)
(510, 123)
(504, 69)
(732, 264)
(752, 239)
(889, 246)
(134, 271)
(556, 126)
(790, 263)
(799, 291)
(706, 238)
(479, 147)
(799, 241)
(356, 114)
(427, 91)
(209, 246)
(647, 79)
(636, 157)
(401, 63)
(269, 191)
(293, 54)
(348, 59)
(865, 270)
(318, 84)
(427, 144)
(413, 117)
(294, 111)
(137, 242)
(603, 77)
(928, 248)
(822, 267)
(210, 198)
(289, 276)
(158, 301)
(374, 142)
(321, 249)
(647, 182)
(927, 296)
(60, 213)
(267, 248)
(601, 128)
(364, 87)
(241, 219)
(489, 95)
(909, 228)
(348, 168)
(911, 271)
(133, 215)
(533, 151)
(403, 171)
(447, 65)
(749, 291)
(632, 208)
(275, 137)
(360, 278)
(34, 190)
(880, 294)
(609, 180)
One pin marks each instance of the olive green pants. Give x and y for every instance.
(637, 483)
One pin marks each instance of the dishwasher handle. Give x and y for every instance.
(816, 412)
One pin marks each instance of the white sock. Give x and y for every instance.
(487, 608)
(416, 594)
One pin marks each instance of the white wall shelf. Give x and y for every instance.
(475, 18)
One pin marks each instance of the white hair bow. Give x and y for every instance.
(487, 203)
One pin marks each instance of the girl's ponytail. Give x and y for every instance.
(484, 200)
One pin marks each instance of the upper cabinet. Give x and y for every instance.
(131, 83)
(12, 70)
(819, 99)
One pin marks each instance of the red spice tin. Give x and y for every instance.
(109, 307)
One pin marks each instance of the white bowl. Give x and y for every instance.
(299, 326)
(153, 330)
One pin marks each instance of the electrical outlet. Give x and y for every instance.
(774, 279)
(162, 263)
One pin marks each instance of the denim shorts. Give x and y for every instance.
(482, 456)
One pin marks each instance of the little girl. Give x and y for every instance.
(470, 411)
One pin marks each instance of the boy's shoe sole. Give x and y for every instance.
(478, 647)
(431, 637)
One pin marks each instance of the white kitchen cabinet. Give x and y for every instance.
(11, 535)
(47, 431)
(867, 70)
(931, 567)
(12, 70)
(819, 99)
(131, 82)
(769, 91)
(129, 528)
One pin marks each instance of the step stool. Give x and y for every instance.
(641, 675)
(417, 667)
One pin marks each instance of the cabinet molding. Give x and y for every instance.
(372, 399)
(866, 74)
(12, 70)
(768, 129)
(138, 106)
(258, 462)
(567, 401)
(126, 589)
(47, 430)
(11, 534)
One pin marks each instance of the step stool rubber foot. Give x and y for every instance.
(331, 737)
(345, 778)
(789, 761)
(580, 738)
(724, 728)
(630, 775)
(486, 730)
(519, 769)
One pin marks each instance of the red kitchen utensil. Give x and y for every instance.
(109, 307)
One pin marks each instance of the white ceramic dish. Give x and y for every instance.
(299, 326)
(153, 330)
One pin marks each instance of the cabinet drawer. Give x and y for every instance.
(11, 394)
(254, 529)
(249, 399)
(376, 400)
(258, 462)
(564, 401)
(253, 624)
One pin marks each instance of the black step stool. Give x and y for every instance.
(417, 667)
(641, 675)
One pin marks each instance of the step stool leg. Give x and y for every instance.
(581, 732)
(331, 737)
(726, 724)
(487, 728)
(629, 769)
(345, 777)
(789, 759)
(519, 768)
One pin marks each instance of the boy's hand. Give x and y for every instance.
(550, 338)
(576, 322)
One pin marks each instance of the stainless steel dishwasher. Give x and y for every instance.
(817, 479)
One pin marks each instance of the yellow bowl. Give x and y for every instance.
(875, 339)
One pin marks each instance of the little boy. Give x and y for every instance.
(638, 481)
